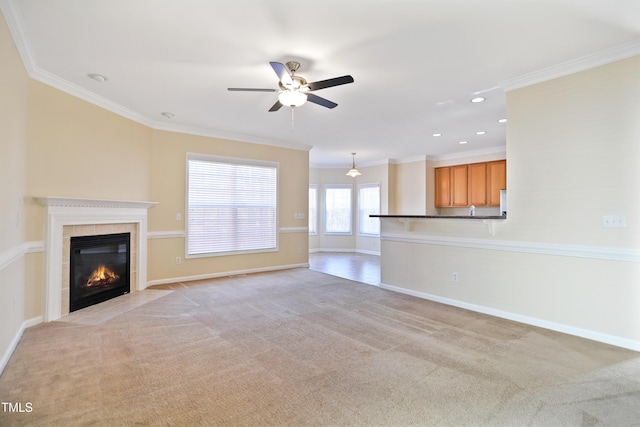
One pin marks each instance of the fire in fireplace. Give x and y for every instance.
(100, 269)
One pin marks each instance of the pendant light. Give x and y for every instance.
(353, 172)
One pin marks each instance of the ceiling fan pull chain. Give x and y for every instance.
(292, 119)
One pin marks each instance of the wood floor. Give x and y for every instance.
(348, 265)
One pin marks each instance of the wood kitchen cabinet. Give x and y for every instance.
(459, 186)
(443, 187)
(496, 181)
(452, 188)
(477, 184)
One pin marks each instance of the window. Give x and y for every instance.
(231, 205)
(337, 209)
(313, 209)
(368, 204)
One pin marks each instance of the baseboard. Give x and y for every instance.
(16, 339)
(345, 251)
(566, 329)
(223, 274)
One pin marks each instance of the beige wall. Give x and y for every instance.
(410, 192)
(572, 156)
(375, 174)
(77, 149)
(573, 150)
(54, 144)
(323, 177)
(168, 178)
(13, 187)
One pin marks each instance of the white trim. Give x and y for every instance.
(413, 159)
(474, 153)
(288, 230)
(558, 327)
(72, 202)
(593, 252)
(181, 234)
(16, 339)
(349, 251)
(12, 17)
(367, 252)
(616, 53)
(13, 254)
(224, 274)
(175, 234)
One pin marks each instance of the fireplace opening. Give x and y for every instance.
(100, 269)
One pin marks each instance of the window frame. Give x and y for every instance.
(313, 219)
(359, 211)
(237, 161)
(338, 186)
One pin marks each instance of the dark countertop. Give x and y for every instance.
(439, 216)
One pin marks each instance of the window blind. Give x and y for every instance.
(231, 205)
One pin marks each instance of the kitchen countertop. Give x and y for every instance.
(440, 216)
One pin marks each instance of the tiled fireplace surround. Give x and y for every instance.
(69, 217)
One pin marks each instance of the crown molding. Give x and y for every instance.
(214, 133)
(459, 155)
(606, 56)
(12, 17)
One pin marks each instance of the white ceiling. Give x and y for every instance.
(416, 64)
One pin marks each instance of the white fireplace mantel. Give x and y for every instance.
(63, 211)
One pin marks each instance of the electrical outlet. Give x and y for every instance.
(614, 221)
(178, 217)
(454, 276)
(178, 260)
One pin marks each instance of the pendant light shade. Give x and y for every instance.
(353, 172)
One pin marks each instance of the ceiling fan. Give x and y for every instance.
(294, 90)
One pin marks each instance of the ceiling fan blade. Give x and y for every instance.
(275, 107)
(321, 101)
(249, 89)
(282, 72)
(336, 81)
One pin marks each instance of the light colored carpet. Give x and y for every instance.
(299, 347)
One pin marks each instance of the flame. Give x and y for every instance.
(102, 276)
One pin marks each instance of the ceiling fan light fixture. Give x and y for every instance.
(292, 98)
(353, 172)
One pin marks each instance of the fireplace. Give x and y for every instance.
(100, 267)
(71, 217)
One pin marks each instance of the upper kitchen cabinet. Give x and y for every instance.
(477, 184)
(443, 187)
(496, 181)
(452, 186)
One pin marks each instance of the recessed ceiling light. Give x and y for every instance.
(437, 134)
(481, 132)
(502, 121)
(97, 77)
(167, 114)
(478, 99)
(463, 142)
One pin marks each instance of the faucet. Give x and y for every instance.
(472, 210)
